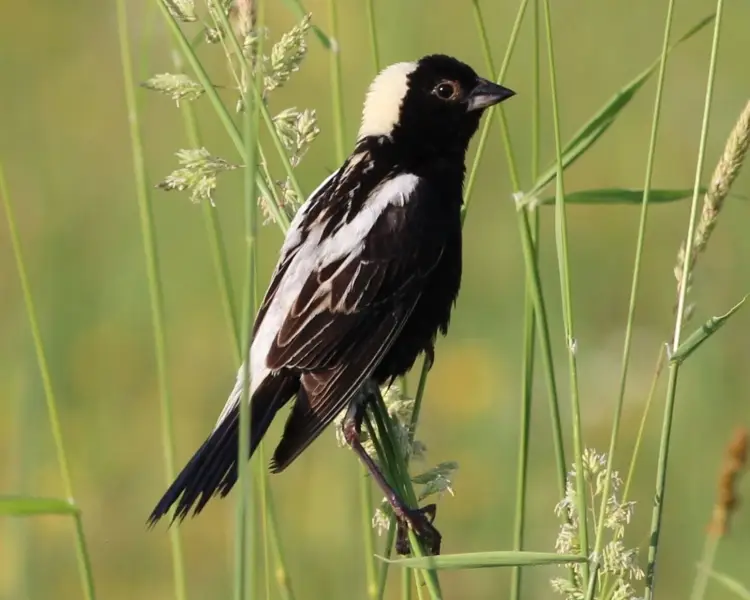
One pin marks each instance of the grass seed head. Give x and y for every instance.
(727, 501)
(725, 173)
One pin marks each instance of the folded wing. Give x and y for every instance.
(350, 309)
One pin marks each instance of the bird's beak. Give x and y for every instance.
(487, 94)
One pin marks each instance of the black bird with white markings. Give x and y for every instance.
(368, 275)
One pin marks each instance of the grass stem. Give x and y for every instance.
(674, 367)
(337, 94)
(561, 238)
(705, 567)
(533, 276)
(337, 100)
(156, 296)
(529, 329)
(82, 554)
(373, 34)
(651, 154)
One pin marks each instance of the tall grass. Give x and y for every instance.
(661, 470)
(587, 547)
(148, 233)
(83, 556)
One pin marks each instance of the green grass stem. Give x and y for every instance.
(529, 328)
(82, 553)
(339, 125)
(372, 31)
(561, 238)
(406, 584)
(706, 565)
(651, 154)
(397, 472)
(156, 294)
(674, 367)
(245, 566)
(658, 369)
(499, 110)
(533, 276)
(224, 282)
(337, 93)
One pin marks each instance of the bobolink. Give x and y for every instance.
(368, 274)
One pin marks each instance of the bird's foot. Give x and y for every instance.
(420, 522)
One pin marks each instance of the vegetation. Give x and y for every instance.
(580, 334)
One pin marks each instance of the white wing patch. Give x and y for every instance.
(313, 254)
(257, 365)
(351, 237)
(384, 98)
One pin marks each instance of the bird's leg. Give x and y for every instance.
(419, 520)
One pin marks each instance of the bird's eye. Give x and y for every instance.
(446, 90)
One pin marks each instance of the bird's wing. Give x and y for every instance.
(323, 211)
(351, 307)
(294, 240)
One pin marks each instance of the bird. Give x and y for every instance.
(367, 277)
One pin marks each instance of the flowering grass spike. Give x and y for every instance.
(619, 565)
(176, 85)
(198, 174)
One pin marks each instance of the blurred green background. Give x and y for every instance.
(65, 148)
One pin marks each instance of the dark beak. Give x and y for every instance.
(487, 94)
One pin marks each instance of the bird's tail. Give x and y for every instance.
(213, 468)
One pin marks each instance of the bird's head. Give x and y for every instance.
(430, 106)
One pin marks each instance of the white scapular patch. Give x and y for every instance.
(384, 98)
(350, 238)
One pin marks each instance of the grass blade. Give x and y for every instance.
(498, 110)
(483, 560)
(223, 279)
(373, 34)
(615, 196)
(337, 99)
(337, 94)
(603, 119)
(700, 335)
(563, 262)
(406, 584)
(29, 506)
(373, 589)
(708, 557)
(82, 553)
(533, 276)
(666, 432)
(529, 330)
(397, 473)
(648, 196)
(730, 584)
(658, 369)
(245, 565)
(151, 257)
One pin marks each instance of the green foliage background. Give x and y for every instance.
(65, 149)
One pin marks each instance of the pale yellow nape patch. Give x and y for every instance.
(384, 98)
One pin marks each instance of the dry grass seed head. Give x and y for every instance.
(727, 501)
(725, 173)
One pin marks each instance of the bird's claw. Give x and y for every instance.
(420, 522)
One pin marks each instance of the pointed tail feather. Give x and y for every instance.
(213, 468)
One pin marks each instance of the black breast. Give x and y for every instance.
(431, 228)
